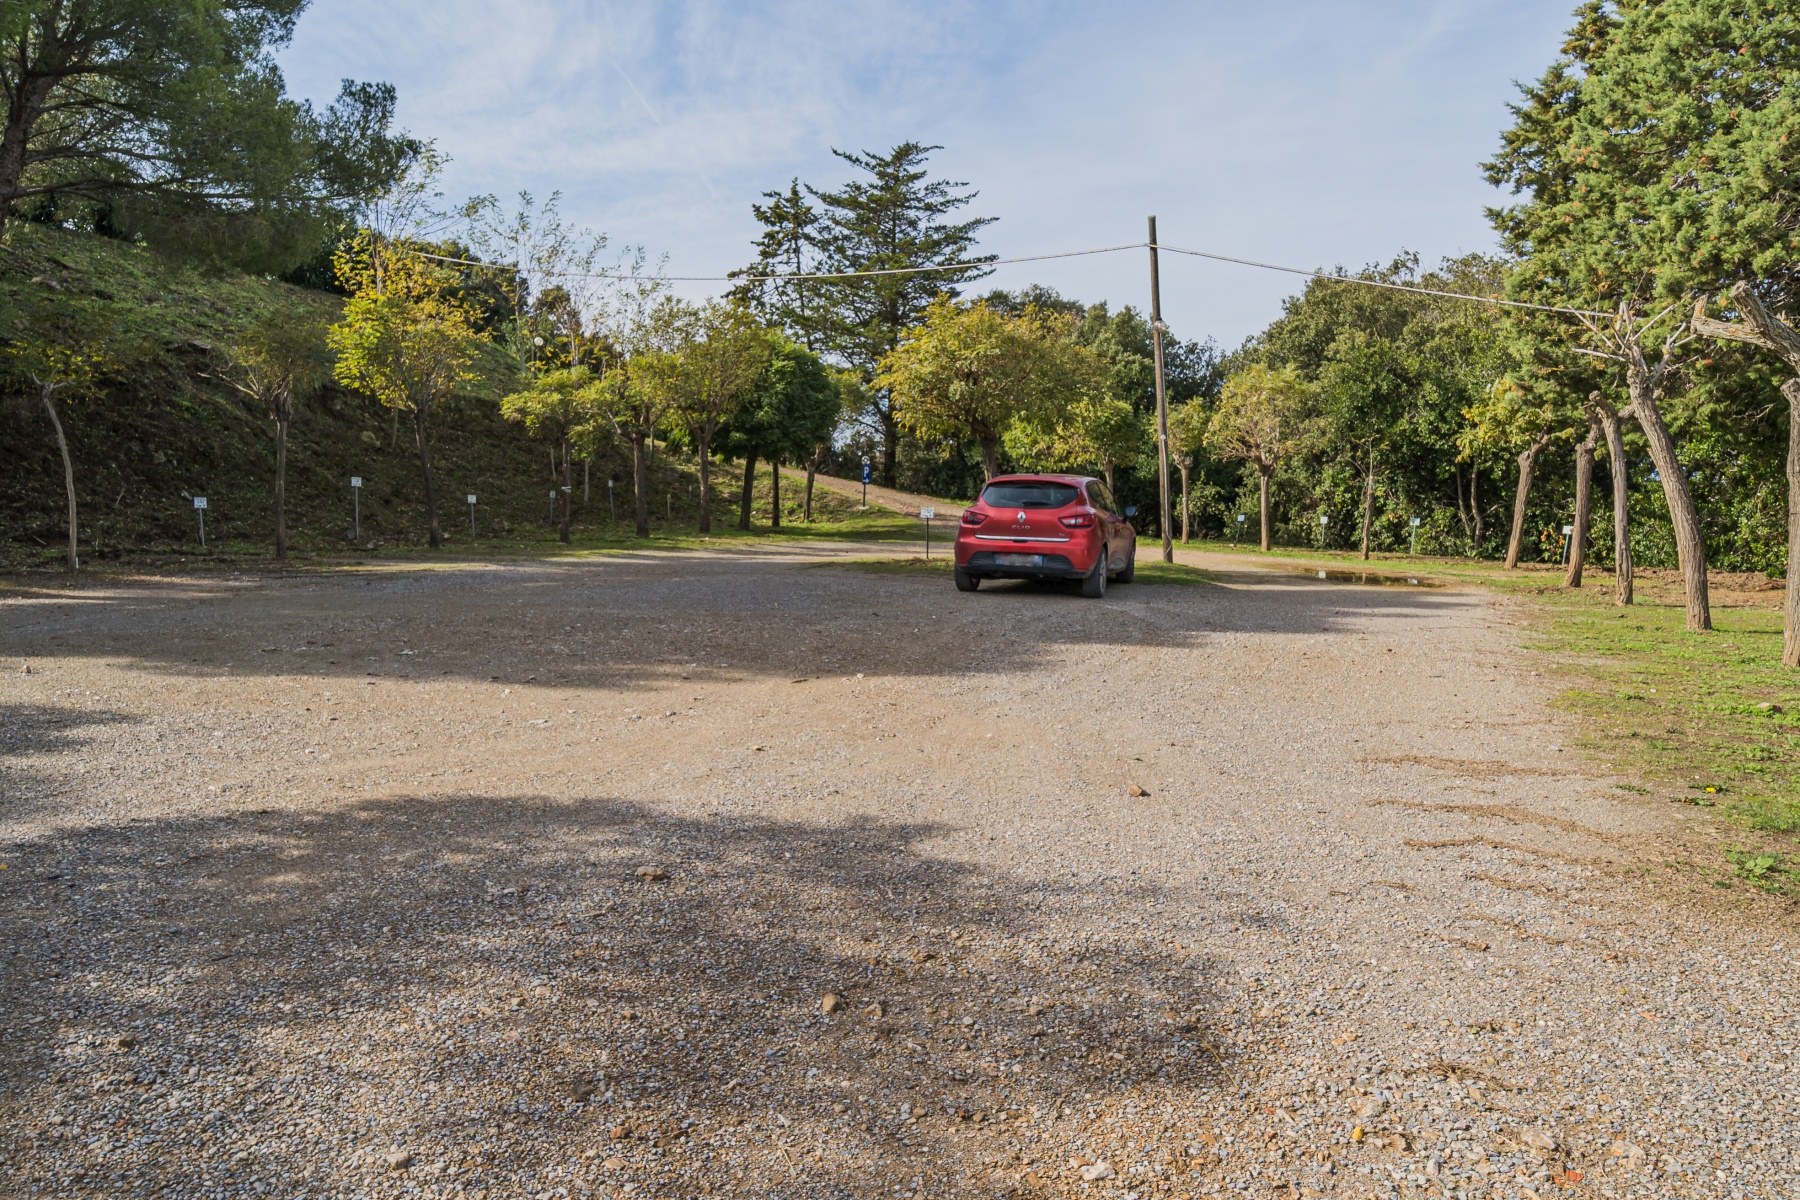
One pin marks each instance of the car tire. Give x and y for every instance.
(1094, 585)
(1129, 571)
(966, 582)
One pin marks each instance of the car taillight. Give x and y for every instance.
(1079, 521)
(971, 517)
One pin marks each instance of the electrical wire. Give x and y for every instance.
(1377, 283)
(960, 266)
(1030, 258)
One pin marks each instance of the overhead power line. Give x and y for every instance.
(957, 266)
(1309, 273)
(1377, 283)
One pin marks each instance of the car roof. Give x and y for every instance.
(1045, 478)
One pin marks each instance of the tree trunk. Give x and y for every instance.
(990, 456)
(1690, 544)
(1368, 504)
(431, 512)
(1462, 511)
(1262, 474)
(1790, 638)
(47, 393)
(1515, 542)
(1475, 506)
(1762, 327)
(812, 469)
(1584, 497)
(640, 480)
(568, 493)
(21, 121)
(281, 432)
(705, 440)
(1109, 472)
(1621, 503)
(890, 447)
(1184, 503)
(775, 492)
(749, 486)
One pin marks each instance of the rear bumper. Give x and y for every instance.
(985, 564)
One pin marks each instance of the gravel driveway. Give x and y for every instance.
(736, 874)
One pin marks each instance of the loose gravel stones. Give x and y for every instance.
(332, 922)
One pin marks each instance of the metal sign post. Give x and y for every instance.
(1241, 519)
(1324, 520)
(553, 509)
(865, 503)
(356, 508)
(1415, 538)
(928, 513)
(200, 511)
(1567, 530)
(612, 512)
(471, 514)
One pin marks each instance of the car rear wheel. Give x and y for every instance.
(1129, 571)
(1094, 586)
(966, 582)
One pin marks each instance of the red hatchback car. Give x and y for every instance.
(1046, 527)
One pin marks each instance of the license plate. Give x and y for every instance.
(1021, 560)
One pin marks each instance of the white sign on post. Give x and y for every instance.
(927, 513)
(1415, 522)
(356, 481)
(471, 497)
(1568, 529)
(199, 501)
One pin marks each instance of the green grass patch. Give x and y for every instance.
(1171, 575)
(916, 565)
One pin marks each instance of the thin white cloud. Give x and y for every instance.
(1315, 133)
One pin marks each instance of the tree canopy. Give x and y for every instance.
(171, 122)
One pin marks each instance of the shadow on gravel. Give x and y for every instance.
(619, 623)
(273, 1001)
(29, 729)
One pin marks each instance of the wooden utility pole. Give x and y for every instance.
(1162, 398)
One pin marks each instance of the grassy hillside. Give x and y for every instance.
(152, 436)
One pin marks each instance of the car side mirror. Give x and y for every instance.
(1131, 510)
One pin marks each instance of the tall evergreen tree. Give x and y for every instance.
(789, 222)
(896, 218)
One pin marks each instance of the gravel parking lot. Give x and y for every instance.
(748, 874)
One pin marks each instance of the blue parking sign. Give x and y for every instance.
(865, 472)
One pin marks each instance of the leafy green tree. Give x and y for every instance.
(719, 360)
(560, 405)
(1365, 384)
(1510, 420)
(794, 406)
(1256, 403)
(1187, 440)
(1094, 430)
(644, 331)
(967, 372)
(895, 218)
(407, 338)
(278, 362)
(170, 121)
(59, 349)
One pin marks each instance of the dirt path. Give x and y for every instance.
(901, 502)
(539, 880)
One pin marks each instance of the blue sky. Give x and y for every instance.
(1306, 133)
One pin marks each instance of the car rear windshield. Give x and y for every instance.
(1030, 495)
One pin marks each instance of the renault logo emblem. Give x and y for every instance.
(1021, 517)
